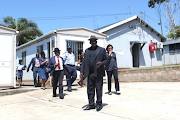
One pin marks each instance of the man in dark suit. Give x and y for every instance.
(57, 66)
(93, 67)
(35, 67)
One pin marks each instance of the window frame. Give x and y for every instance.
(40, 50)
(77, 48)
(24, 56)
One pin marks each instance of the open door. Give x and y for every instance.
(135, 55)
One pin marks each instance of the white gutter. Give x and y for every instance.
(55, 38)
(14, 59)
(117, 24)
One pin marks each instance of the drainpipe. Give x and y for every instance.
(50, 47)
(14, 59)
(55, 38)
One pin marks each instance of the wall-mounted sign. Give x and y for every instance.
(5, 64)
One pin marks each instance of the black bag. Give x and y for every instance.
(78, 68)
(48, 70)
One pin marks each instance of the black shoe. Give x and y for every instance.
(118, 92)
(98, 107)
(61, 97)
(110, 93)
(89, 107)
(69, 90)
(54, 95)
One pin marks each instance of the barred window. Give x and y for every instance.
(178, 48)
(172, 49)
(77, 48)
(24, 58)
(40, 49)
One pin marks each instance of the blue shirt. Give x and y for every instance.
(69, 58)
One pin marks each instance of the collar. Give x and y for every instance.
(91, 48)
(57, 56)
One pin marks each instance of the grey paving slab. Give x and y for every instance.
(138, 101)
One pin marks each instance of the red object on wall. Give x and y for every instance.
(151, 47)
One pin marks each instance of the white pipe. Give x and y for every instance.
(50, 48)
(55, 41)
(14, 59)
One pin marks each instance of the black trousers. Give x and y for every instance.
(58, 77)
(114, 73)
(94, 83)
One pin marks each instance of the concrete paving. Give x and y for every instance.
(138, 101)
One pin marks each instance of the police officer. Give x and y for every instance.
(69, 61)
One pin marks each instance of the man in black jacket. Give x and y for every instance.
(93, 67)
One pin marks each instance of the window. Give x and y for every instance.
(24, 58)
(178, 48)
(48, 50)
(52, 47)
(172, 49)
(40, 49)
(77, 48)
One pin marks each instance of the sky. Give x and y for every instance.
(58, 14)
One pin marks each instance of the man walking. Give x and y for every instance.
(93, 67)
(69, 60)
(35, 67)
(56, 64)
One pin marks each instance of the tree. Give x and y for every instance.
(152, 3)
(28, 30)
(174, 33)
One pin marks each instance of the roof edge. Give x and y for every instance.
(6, 28)
(117, 24)
(58, 30)
(53, 32)
(35, 40)
(126, 21)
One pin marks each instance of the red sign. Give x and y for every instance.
(151, 47)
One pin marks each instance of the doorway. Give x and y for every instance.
(135, 55)
(48, 50)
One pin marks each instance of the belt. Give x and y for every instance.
(36, 67)
(71, 65)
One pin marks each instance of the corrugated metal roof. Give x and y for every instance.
(169, 42)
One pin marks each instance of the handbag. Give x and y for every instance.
(48, 70)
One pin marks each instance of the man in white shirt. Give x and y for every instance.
(69, 61)
(57, 66)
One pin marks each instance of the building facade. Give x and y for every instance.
(171, 52)
(130, 39)
(8, 57)
(61, 38)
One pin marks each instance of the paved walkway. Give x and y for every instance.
(138, 101)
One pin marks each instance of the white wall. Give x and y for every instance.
(7, 69)
(86, 44)
(120, 38)
(30, 53)
(170, 59)
(61, 42)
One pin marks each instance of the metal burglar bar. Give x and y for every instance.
(172, 49)
(24, 58)
(77, 48)
(40, 49)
